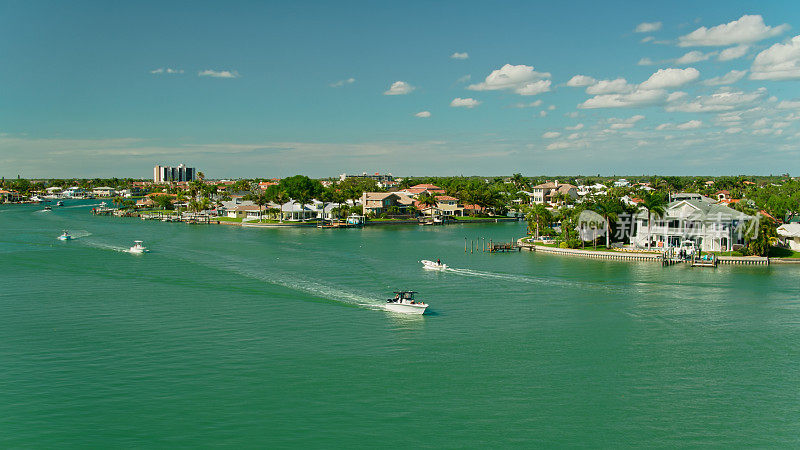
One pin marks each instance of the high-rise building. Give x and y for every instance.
(163, 174)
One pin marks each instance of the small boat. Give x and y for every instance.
(138, 248)
(59, 203)
(404, 303)
(47, 208)
(433, 265)
(65, 236)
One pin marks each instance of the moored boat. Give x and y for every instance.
(404, 303)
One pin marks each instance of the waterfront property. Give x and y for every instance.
(790, 233)
(711, 226)
(445, 206)
(9, 196)
(546, 193)
(377, 203)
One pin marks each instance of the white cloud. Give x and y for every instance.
(535, 88)
(733, 130)
(458, 55)
(722, 100)
(399, 88)
(574, 136)
(693, 57)
(648, 27)
(621, 124)
(581, 81)
(529, 105)
(729, 78)
(575, 127)
(551, 135)
(459, 102)
(690, 125)
(572, 114)
(617, 86)
(733, 53)
(167, 70)
(561, 145)
(521, 79)
(789, 104)
(218, 73)
(747, 29)
(779, 62)
(464, 79)
(646, 62)
(551, 108)
(664, 126)
(646, 39)
(677, 95)
(670, 78)
(423, 114)
(341, 83)
(542, 113)
(639, 97)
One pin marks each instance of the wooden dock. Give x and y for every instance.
(502, 247)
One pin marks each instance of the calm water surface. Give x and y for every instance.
(246, 337)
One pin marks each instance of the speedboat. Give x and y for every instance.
(404, 303)
(65, 236)
(59, 203)
(138, 248)
(47, 208)
(433, 265)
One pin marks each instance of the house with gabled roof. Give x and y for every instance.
(711, 225)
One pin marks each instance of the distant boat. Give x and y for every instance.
(47, 208)
(59, 203)
(65, 236)
(433, 265)
(138, 248)
(404, 303)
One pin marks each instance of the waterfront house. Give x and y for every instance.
(379, 202)
(9, 196)
(419, 189)
(54, 191)
(543, 194)
(104, 191)
(712, 226)
(74, 192)
(445, 206)
(790, 234)
(246, 212)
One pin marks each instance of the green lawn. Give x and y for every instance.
(227, 219)
(778, 252)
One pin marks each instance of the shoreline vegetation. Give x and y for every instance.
(554, 207)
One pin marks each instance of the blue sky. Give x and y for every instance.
(253, 89)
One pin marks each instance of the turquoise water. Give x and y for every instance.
(276, 337)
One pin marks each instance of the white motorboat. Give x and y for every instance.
(404, 303)
(138, 248)
(65, 236)
(433, 265)
(59, 203)
(47, 208)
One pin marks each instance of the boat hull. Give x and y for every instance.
(432, 265)
(406, 308)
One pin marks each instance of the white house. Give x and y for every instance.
(104, 191)
(710, 225)
(790, 232)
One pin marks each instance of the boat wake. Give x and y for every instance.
(103, 246)
(293, 282)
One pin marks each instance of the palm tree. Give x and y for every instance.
(656, 206)
(261, 200)
(608, 207)
(538, 215)
(427, 200)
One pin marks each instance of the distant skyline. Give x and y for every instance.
(247, 89)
